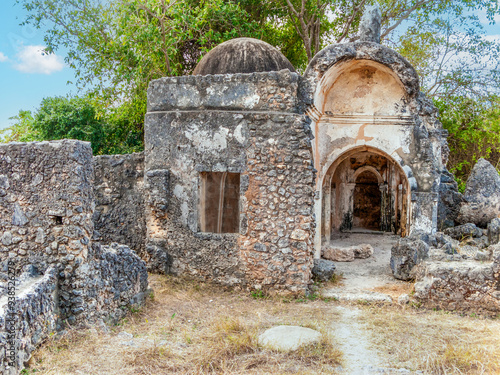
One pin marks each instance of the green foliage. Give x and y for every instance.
(258, 294)
(474, 128)
(450, 51)
(21, 131)
(110, 131)
(75, 118)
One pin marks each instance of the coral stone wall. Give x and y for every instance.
(46, 204)
(47, 207)
(246, 124)
(26, 318)
(119, 200)
(277, 246)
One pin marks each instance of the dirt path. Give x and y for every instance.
(367, 279)
(359, 358)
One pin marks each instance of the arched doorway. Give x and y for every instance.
(365, 189)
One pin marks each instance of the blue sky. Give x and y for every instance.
(26, 77)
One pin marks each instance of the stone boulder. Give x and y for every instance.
(449, 202)
(347, 254)
(494, 231)
(405, 255)
(463, 231)
(288, 338)
(323, 269)
(482, 195)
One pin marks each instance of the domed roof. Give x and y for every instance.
(242, 55)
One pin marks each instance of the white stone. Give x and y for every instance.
(299, 235)
(288, 338)
(7, 238)
(404, 299)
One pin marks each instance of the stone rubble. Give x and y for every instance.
(347, 254)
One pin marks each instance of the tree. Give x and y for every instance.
(21, 131)
(474, 128)
(116, 47)
(110, 130)
(452, 54)
(74, 118)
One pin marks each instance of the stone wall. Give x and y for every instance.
(277, 245)
(272, 153)
(465, 286)
(119, 196)
(47, 207)
(27, 318)
(113, 280)
(46, 204)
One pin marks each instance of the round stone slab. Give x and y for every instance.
(288, 338)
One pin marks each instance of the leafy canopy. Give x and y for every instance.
(116, 47)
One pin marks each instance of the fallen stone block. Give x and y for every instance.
(406, 254)
(323, 269)
(288, 338)
(347, 254)
(482, 195)
(463, 231)
(468, 286)
(494, 231)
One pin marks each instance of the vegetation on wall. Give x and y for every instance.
(117, 47)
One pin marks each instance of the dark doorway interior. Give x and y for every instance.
(367, 202)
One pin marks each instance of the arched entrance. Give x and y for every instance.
(365, 189)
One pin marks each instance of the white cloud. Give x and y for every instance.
(32, 59)
(3, 58)
(493, 38)
(484, 19)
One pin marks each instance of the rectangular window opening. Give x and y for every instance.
(220, 202)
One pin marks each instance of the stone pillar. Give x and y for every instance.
(369, 27)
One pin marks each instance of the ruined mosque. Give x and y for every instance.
(249, 169)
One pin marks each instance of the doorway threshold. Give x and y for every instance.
(366, 231)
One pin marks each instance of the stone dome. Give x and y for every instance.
(242, 55)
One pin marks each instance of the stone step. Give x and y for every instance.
(357, 296)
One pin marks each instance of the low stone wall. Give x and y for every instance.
(114, 280)
(464, 286)
(26, 319)
(46, 211)
(46, 203)
(119, 214)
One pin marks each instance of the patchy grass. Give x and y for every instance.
(190, 327)
(435, 342)
(336, 280)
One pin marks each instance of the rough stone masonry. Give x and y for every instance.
(46, 209)
(249, 170)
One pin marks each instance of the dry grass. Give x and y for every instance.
(435, 342)
(395, 289)
(336, 280)
(195, 328)
(198, 328)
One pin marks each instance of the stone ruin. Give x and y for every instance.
(249, 169)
